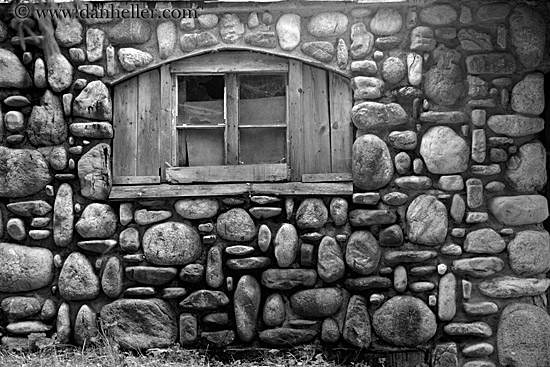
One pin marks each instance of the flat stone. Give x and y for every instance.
(288, 31)
(30, 208)
(94, 172)
(444, 151)
(46, 124)
(357, 327)
(372, 167)
(327, 24)
(480, 308)
(422, 39)
(319, 50)
(444, 117)
(476, 217)
(408, 256)
(77, 280)
(192, 273)
(129, 31)
(515, 125)
(495, 186)
(205, 300)
(486, 170)
(395, 198)
(451, 183)
(364, 67)
(16, 308)
(274, 309)
(330, 263)
(522, 335)
(249, 263)
(97, 221)
(236, 225)
(422, 270)
(362, 41)
(207, 21)
(239, 250)
(374, 115)
(478, 266)
(150, 275)
(112, 279)
(403, 140)
(146, 217)
(427, 221)
(132, 59)
(60, 72)
(190, 42)
(39, 234)
(476, 329)
(368, 283)
(261, 39)
(519, 210)
(478, 350)
(14, 121)
(529, 253)
(171, 243)
(414, 182)
(493, 12)
(172, 293)
(284, 279)
(286, 245)
(311, 214)
(217, 319)
(197, 208)
(140, 323)
(13, 73)
(419, 287)
(366, 217)
(92, 130)
(512, 287)
(284, 336)
(438, 15)
(362, 252)
(27, 327)
(404, 321)
(217, 339)
(484, 241)
(472, 40)
(319, 302)
(247, 307)
(528, 35)
(494, 63)
(527, 169)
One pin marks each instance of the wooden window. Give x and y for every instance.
(232, 117)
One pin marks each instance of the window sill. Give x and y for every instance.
(166, 191)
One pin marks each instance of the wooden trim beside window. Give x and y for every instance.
(238, 173)
(231, 62)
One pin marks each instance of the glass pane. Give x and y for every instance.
(200, 100)
(262, 145)
(202, 147)
(262, 99)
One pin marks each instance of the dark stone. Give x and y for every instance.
(217, 319)
(214, 267)
(249, 263)
(287, 336)
(512, 287)
(274, 310)
(391, 236)
(188, 329)
(362, 252)
(112, 279)
(408, 256)
(197, 208)
(495, 63)
(528, 35)
(319, 302)
(150, 275)
(288, 278)
(366, 217)
(218, 339)
(192, 273)
(368, 283)
(85, 327)
(94, 172)
(16, 308)
(171, 243)
(46, 124)
(357, 328)
(205, 300)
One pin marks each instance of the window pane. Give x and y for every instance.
(262, 145)
(203, 147)
(200, 100)
(262, 99)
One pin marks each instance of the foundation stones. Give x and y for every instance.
(97, 221)
(427, 220)
(311, 214)
(24, 268)
(512, 287)
(236, 225)
(320, 302)
(247, 307)
(372, 166)
(94, 172)
(327, 24)
(77, 280)
(362, 252)
(63, 216)
(288, 31)
(529, 253)
(46, 124)
(444, 151)
(515, 125)
(357, 327)
(527, 34)
(13, 73)
(527, 169)
(180, 244)
(519, 210)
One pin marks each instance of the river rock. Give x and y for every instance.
(438, 15)
(24, 268)
(393, 70)
(16, 308)
(16, 229)
(493, 63)
(484, 241)
(285, 336)
(46, 124)
(150, 275)
(319, 50)
(77, 280)
(94, 102)
(197, 208)
(92, 130)
(512, 287)
(68, 32)
(444, 151)
(12, 72)
(422, 39)
(97, 221)
(328, 24)
(386, 22)
(475, 329)
(357, 328)
(529, 253)
(188, 329)
(286, 245)
(522, 335)
(330, 263)
(311, 214)
(264, 237)
(171, 243)
(362, 41)
(214, 267)
(374, 115)
(527, 169)
(480, 308)
(404, 321)
(403, 140)
(288, 31)
(85, 327)
(330, 332)
(528, 95)
(140, 323)
(443, 84)
(338, 211)
(112, 280)
(427, 221)
(145, 217)
(60, 72)
(28, 327)
(129, 240)
(274, 310)
(63, 216)
(515, 125)
(131, 58)
(129, 31)
(447, 297)
(166, 37)
(247, 307)
(528, 35)
(473, 40)
(288, 278)
(478, 266)
(205, 300)
(362, 252)
(372, 166)
(519, 210)
(94, 172)
(236, 225)
(319, 302)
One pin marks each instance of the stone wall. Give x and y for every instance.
(440, 247)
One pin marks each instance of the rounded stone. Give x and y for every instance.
(197, 208)
(391, 236)
(527, 169)
(528, 34)
(63, 216)
(274, 310)
(112, 279)
(427, 221)
(24, 268)
(288, 31)
(20, 307)
(484, 241)
(402, 163)
(236, 225)
(403, 140)
(330, 263)
(372, 166)
(330, 332)
(129, 240)
(393, 70)
(319, 302)
(85, 327)
(386, 22)
(171, 243)
(22, 172)
(77, 280)
(60, 72)
(444, 151)
(375, 115)
(97, 221)
(16, 229)
(404, 321)
(247, 307)
(528, 95)
(362, 252)
(328, 24)
(529, 253)
(286, 245)
(12, 72)
(311, 214)
(339, 211)
(438, 15)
